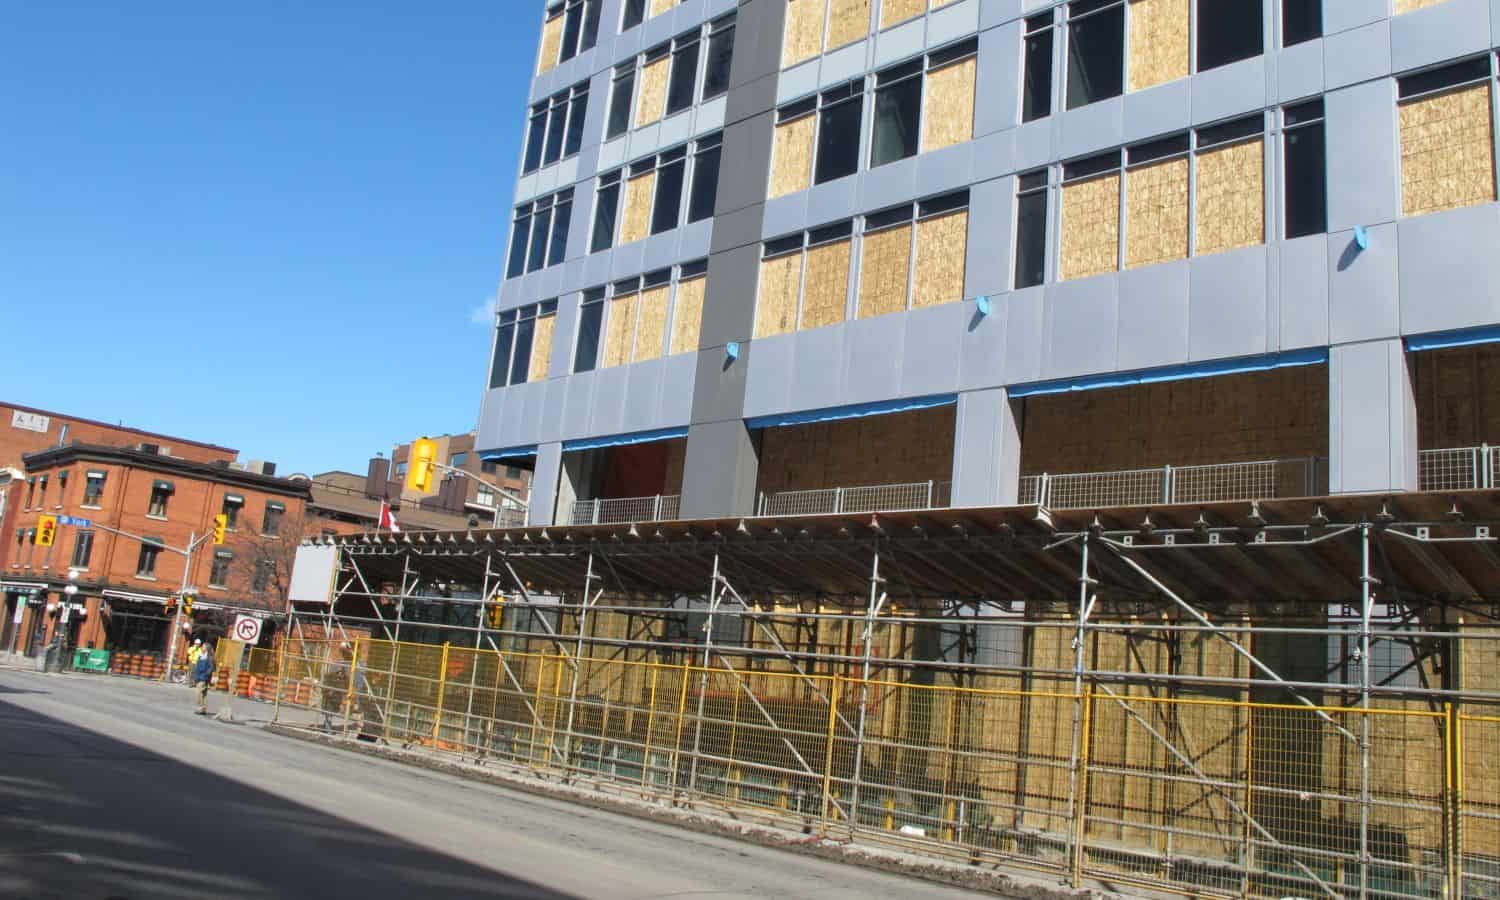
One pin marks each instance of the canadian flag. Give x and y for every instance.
(388, 518)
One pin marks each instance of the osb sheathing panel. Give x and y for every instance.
(884, 271)
(651, 325)
(942, 247)
(676, 459)
(1090, 228)
(541, 348)
(776, 299)
(1457, 404)
(1479, 670)
(619, 330)
(1231, 198)
(827, 285)
(687, 319)
(896, 11)
(1406, 6)
(651, 99)
(1280, 414)
(1156, 213)
(897, 448)
(1447, 158)
(804, 31)
(792, 155)
(949, 116)
(637, 221)
(848, 21)
(1159, 47)
(660, 6)
(551, 43)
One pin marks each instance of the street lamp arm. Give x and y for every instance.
(188, 551)
(511, 495)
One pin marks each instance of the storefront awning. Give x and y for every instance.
(510, 452)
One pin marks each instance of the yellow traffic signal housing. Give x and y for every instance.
(46, 530)
(221, 525)
(187, 604)
(419, 467)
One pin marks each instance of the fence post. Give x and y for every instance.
(833, 714)
(650, 726)
(838, 499)
(929, 493)
(437, 712)
(1166, 484)
(656, 509)
(1486, 467)
(1044, 492)
(350, 694)
(1081, 815)
(596, 511)
(677, 739)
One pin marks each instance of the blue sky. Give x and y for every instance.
(270, 225)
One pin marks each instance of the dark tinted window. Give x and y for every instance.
(572, 25)
(590, 25)
(557, 122)
(538, 253)
(1096, 54)
(500, 371)
(605, 210)
(619, 104)
(838, 141)
(577, 112)
(898, 110)
(684, 79)
(668, 196)
(1306, 180)
(1228, 31)
(520, 230)
(1036, 102)
(1031, 230)
(520, 359)
(535, 137)
(590, 317)
(705, 184)
(558, 245)
(720, 55)
(635, 11)
(1446, 77)
(1301, 20)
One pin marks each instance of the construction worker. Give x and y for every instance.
(202, 674)
(195, 651)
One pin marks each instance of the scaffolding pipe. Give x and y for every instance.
(1085, 606)
(708, 643)
(588, 588)
(1367, 600)
(871, 611)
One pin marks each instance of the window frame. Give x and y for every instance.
(1028, 186)
(147, 558)
(722, 28)
(1094, 8)
(218, 578)
(1289, 128)
(1316, 7)
(542, 248)
(517, 320)
(702, 147)
(160, 498)
(593, 299)
(271, 525)
(93, 498)
(1198, 21)
(624, 78)
(1031, 27)
(230, 510)
(83, 542)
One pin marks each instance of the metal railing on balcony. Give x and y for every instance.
(1458, 468)
(614, 510)
(865, 498)
(1256, 480)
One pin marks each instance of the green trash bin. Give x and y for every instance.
(85, 660)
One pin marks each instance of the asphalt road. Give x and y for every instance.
(111, 789)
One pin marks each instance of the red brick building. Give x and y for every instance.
(125, 582)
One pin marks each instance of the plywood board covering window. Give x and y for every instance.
(1406, 6)
(636, 223)
(948, 118)
(620, 330)
(651, 325)
(651, 101)
(804, 31)
(1447, 155)
(1231, 198)
(551, 43)
(1159, 36)
(848, 21)
(541, 348)
(827, 285)
(776, 307)
(884, 270)
(1156, 213)
(791, 170)
(893, 12)
(942, 246)
(660, 6)
(1090, 227)
(687, 318)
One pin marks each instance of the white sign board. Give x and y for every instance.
(312, 574)
(29, 421)
(20, 611)
(246, 629)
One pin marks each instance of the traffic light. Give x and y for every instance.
(221, 525)
(46, 530)
(419, 465)
(187, 605)
(169, 609)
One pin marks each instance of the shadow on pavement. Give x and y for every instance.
(86, 817)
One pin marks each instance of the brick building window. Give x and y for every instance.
(233, 503)
(145, 563)
(218, 574)
(485, 496)
(62, 487)
(262, 577)
(93, 488)
(83, 548)
(275, 510)
(458, 460)
(513, 473)
(41, 496)
(161, 492)
(30, 492)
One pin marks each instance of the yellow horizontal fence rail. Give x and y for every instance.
(1203, 790)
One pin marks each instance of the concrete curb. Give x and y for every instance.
(970, 877)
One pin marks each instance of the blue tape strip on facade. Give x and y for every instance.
(856, 411)
(1464, 337)
(509, 452)
(620, 440)
(1237, 366)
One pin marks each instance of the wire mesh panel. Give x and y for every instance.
(1457, 469)
(1235, 481)
(864, 498)
(625, 509)
(1136, 487)
(1478, 783)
